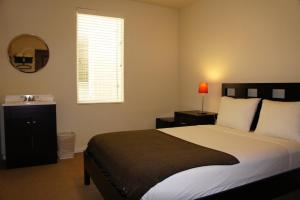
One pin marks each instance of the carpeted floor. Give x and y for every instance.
(62, 181)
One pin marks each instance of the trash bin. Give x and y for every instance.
(66, 145)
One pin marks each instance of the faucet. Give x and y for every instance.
(29, 98)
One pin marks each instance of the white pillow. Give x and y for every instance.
(280, 119)
(237, 113)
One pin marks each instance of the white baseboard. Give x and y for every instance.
(80, 149)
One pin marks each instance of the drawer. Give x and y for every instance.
(165, 122)
(182, 119)
(37, 111)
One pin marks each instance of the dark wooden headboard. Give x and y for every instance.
(271, 91)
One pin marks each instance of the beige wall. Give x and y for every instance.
(220, 41)
(151, 67)
(237, 41)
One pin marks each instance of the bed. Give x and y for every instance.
(268, 166)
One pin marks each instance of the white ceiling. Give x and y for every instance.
(170, 3)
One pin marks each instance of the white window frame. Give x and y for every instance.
(120, 79)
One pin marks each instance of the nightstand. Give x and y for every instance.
(165, 122)
(194, 117)
(187, 118)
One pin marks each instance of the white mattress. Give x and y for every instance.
(260, 157)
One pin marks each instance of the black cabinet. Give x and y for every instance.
(187, 118)
(30, 135)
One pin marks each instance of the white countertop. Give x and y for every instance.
(29, 103)
(18, 100)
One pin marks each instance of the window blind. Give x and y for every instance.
(100, 50)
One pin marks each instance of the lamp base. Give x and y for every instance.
(202, 113)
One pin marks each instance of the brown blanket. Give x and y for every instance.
(135, 161)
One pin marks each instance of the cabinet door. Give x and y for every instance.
(44, 134)
(18, 140)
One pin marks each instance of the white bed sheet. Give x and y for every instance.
(260, 157)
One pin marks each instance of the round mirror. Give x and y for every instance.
(28, 53)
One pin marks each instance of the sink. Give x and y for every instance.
(19, 100)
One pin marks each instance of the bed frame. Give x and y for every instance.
(268, 188)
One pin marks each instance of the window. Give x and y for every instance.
(100, 59)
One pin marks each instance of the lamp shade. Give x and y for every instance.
(203, 88)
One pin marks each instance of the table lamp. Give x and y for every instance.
(203, 89)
